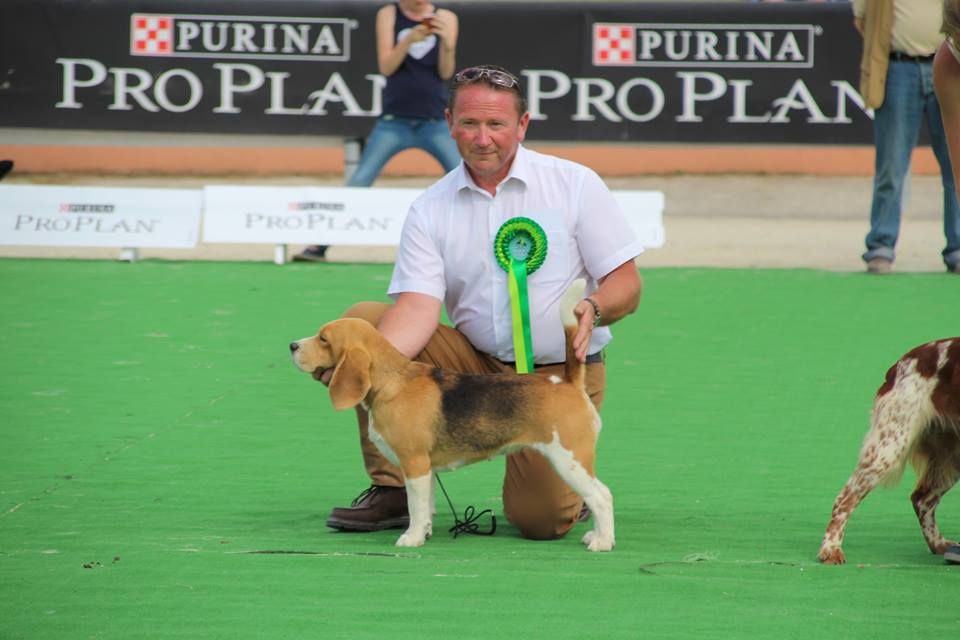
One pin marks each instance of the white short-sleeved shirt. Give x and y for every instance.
(446, 249)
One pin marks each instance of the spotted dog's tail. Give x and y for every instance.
(575, 371)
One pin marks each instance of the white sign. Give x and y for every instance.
(644, 213)
(306, 215)
(99, 216)
(358, 216)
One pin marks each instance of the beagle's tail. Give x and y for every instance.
(575, 371)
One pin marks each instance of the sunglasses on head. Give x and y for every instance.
(503, 79)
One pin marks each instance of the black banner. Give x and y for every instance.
(632, 72)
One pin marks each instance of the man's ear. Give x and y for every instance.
(351, 379)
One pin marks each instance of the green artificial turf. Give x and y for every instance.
(165, 472)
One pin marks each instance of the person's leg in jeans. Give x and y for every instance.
(938, 141)
(389, 137)
(896, 126)
(433, 136)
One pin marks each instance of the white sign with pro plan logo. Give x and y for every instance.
(358, 216)
(37, 215)
(306, 215)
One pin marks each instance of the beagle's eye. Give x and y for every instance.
(322, 338)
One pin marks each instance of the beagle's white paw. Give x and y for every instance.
(411, 538)
(596, 542)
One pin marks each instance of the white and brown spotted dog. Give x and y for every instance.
(916, 417)
(427, 419)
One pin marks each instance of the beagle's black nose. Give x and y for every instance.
(294, 346)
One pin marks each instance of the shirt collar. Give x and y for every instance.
(519, 170)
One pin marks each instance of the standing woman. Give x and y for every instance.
(416, 52)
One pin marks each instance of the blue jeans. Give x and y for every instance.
(909, 99)
(392, 134)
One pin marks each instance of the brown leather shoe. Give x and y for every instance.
(375, 509)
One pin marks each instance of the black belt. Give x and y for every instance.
(592, 358)
(902, 57)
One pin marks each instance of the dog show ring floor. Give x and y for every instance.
(166, 472)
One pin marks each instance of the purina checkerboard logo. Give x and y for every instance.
(613, 44)
(151, 35)
(240, 37)
(703, 45)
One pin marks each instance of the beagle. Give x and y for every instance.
(426, 419)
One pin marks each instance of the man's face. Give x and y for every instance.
(487, 129)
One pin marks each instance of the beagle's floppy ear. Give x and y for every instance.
(351, 379)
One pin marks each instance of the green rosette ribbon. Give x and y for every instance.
(520, 247)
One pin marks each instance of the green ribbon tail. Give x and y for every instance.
(520, 312)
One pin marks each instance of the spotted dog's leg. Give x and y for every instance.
(939, 477)
(900, 413)
(866, 476)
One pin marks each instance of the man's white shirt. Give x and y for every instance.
(446, 249)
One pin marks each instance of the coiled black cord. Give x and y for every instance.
(470, 517)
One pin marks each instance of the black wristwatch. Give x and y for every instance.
(596, 311)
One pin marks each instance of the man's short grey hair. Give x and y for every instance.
(516, 90)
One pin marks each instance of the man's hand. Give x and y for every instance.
(617, 296)
(581, 340)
